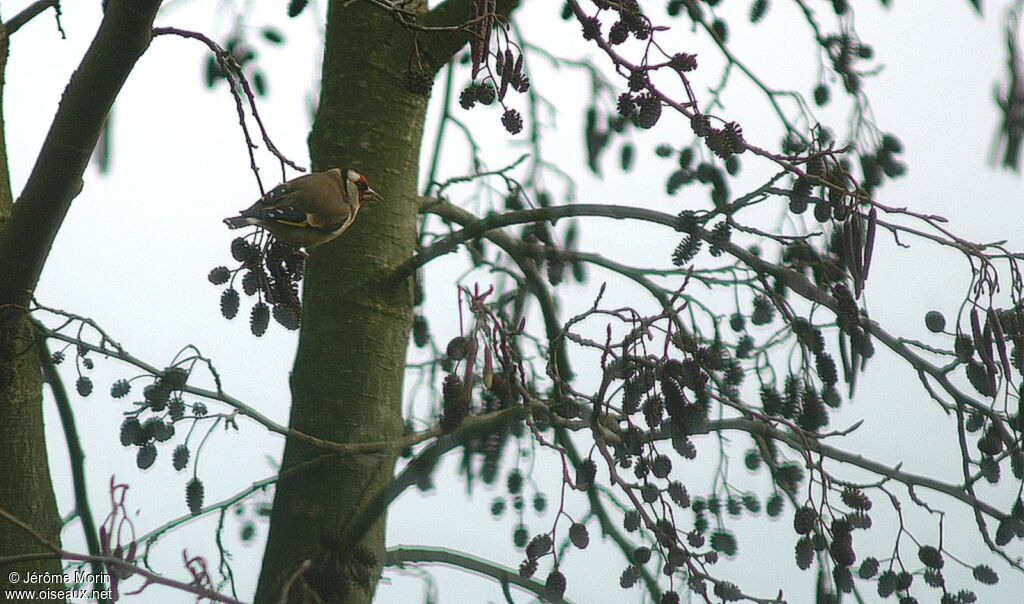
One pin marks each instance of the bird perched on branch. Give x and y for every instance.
(309, 210)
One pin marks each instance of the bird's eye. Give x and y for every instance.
(362, 184)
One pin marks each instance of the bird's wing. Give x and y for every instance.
(326, 200)
(279, 204)
(308, 201)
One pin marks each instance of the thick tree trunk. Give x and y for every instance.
(347, 378)
(25, 489)
(6, 196)
(27, 230)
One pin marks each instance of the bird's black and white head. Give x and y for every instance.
(361, 185)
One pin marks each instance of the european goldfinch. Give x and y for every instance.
(309, 210)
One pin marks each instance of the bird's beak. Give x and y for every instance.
(371, 196)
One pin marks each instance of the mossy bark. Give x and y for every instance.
(347, 378)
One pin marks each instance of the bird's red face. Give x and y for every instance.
(366, 194)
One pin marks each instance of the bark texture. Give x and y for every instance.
(27, 230)
(25, 489)
(347, 378)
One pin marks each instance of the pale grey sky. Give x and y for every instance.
(135, 249)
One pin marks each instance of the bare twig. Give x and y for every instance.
(28, 13)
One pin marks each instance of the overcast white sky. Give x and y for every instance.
(137, 244)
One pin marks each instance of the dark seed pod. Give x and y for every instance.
(734, 133)
(629, 577)
(555, 585)
(763, 312)
(467, 98)
(930, 557)
(984, 574)
(229, 303)
(758, 10)
(579, 535)
(485, 93)
(856, 499)
(83, 385)
(287, 317)
(804, 520)
(259, 319)
(821, 95)
(243, 251)
(295, 7)
(585, 475)
(131, 432)
(618, 33)
(631, 521)
(687, 249)
(527, 568)
(145, 456)
(455, 403)
(934, 321)
(701, 125)
(637, 80)
(538, 546)
(180, 457)
(418, 82)
(720, 29)
(719, 143)
(683, 62)
(626, 105)
(649, 111)
(420, 331)
(120, 389)
(457, 348)
(161, 430)
(219, 275)
(723, 542)
(512, 121)
(804, 553)
(176, 408)
(868, 568)
(678, 494)
(641, 555)
(826, 368)
(194, 496)
(250, 283)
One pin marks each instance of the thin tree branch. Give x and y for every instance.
(803, 443)
(27, 14)
(75, 454)
(401, 556)
(793, 280)
(497, 221)
(18, 522)
(56, 179)
(272, 426)
(608, 526)
(440, 46)
(417, 467)
(150, 538)
(127, 567)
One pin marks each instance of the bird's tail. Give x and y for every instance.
(237, 222)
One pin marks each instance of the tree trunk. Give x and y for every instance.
(25, 488)
(27, 230)
(347, 379)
